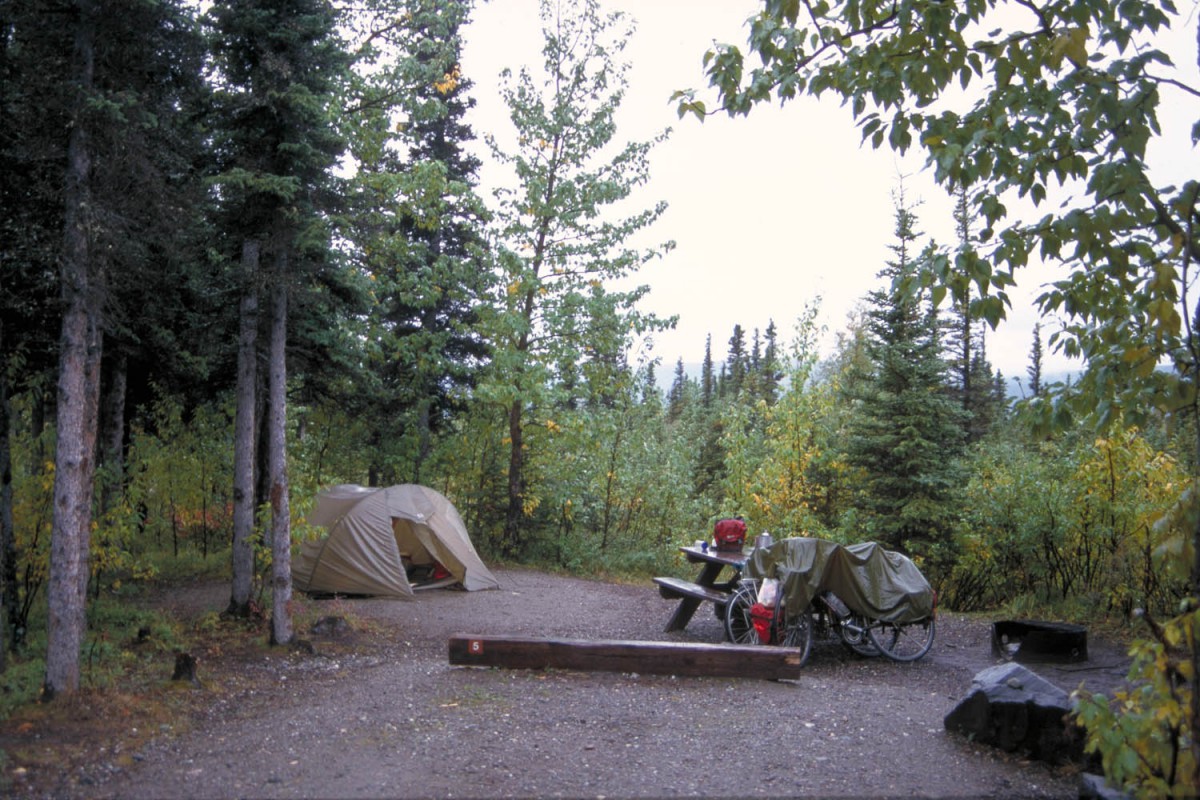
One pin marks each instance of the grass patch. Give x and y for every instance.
(127, 694)
(123, 645)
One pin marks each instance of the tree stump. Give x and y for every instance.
(185, 669)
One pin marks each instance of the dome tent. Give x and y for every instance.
(375, 534)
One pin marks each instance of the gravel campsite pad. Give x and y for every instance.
(389, 717)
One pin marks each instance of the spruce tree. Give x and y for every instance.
(1034, 371)
(737, 362)
(771, 369)
(423, 245)
(906, 430)
(971, 374)
(280, 62)
(104, 119)
(708, 381)
(677, 396)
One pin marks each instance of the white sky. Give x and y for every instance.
(767, 211)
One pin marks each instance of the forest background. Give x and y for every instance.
(245, 256)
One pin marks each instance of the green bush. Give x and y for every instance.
(1067, 525)
(1143, 734)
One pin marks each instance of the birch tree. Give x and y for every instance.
(560, 241)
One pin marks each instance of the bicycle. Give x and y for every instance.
(826, 617)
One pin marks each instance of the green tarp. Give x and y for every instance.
(870, 580)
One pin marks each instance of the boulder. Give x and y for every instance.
(332, 627)
(1015, 709)
(1095, 787)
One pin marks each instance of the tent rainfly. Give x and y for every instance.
(377, 535)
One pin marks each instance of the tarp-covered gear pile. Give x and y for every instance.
(377, 536)
(877, 583)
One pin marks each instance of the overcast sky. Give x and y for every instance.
(769, 211)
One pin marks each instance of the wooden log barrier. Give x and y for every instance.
(652, 658)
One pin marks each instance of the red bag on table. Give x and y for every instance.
(729, 534)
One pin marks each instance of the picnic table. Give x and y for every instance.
(705, 588)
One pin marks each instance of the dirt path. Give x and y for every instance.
(398, 721)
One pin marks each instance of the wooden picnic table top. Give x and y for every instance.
(728, 558)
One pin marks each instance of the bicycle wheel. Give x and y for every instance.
(905, 641)
(796, 630)
(739, 627)
(854, 635)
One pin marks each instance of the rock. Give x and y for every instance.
(334, 627)
(1015, 709)
(1095, 787)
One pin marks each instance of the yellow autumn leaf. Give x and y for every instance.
(1076, 46)
(1072, 45)
(449, 81)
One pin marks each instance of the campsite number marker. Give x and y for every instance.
(475, 647)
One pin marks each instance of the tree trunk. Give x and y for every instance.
(1194, 608)
(281, 529)
(374, 469)
(516, 480)
(244, 435)
(78, 390)
(516, 432)
(424, 436)
(262, 429)
(8, 546)
(1196, 594)
(112, 453)
(610, 484)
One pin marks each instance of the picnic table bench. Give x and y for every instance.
(705, 588)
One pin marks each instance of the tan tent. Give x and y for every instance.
(378, 536)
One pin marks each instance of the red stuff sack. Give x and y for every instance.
(729, 534)
(762, 617)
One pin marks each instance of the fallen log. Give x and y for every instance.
(652, 658)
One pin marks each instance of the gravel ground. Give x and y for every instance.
(393, 719)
